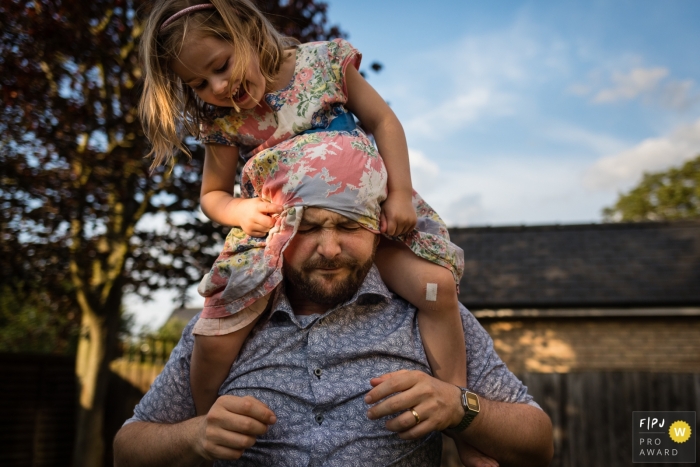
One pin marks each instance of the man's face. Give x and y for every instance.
(328, 258)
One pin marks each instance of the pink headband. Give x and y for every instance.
(184, 11)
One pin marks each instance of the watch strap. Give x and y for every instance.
(466, 421)
(469, 414)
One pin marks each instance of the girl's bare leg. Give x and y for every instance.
(431, 289)
(212, 358)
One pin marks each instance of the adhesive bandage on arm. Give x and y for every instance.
(431, 292)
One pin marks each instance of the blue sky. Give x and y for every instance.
(526, 112)
(533, 112)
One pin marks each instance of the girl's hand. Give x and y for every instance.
(256, 216)
(398, 214)
(472, 457)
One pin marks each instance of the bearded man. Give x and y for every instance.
(335, 374)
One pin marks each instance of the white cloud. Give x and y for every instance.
(630, 85)
(579, 89)
(491, 109)
(466, 210)
(457, 112)
(477, 78)
(577, 136)
(519, 189)
(679, 95)
(425, 174)
(620, 171)
(651, 84)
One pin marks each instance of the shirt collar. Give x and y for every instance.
(372, 291)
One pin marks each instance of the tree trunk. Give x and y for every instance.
(95, 350)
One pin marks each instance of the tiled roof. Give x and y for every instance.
(626, 264)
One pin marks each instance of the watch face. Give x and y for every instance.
(472, 402)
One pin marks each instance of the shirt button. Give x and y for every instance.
(318, 372)
(319, 418)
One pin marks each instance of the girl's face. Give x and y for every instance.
(205, 65)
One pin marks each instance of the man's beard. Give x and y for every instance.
(313, 289)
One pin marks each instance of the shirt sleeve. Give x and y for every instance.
(487, 374)
(169, 400)
(341, 54)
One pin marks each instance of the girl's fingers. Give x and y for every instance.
(258, 233)
(262, 219)
(260, 226)
(390, 227)
(270, 208)
(409, 227)
(471, 457)
(402, 229)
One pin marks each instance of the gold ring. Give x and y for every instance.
(415, 415)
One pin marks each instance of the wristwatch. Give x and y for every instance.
(470, 404)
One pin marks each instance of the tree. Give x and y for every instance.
(670, 195)
(75, 184)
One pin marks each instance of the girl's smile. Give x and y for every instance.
(205, 64)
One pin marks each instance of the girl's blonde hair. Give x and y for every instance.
(169, 109)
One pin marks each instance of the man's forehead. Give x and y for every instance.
(320, 216)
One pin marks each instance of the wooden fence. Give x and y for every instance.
(592, 412)
(37, 410)
(142, 360)
(38, 397)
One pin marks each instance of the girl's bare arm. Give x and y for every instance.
(217, 201)
(380, 120)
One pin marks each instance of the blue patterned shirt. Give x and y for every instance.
(314, 371)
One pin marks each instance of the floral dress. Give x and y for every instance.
(295, 157)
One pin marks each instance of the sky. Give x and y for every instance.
(526, 112)
(533, 112)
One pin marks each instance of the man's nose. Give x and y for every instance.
(329, 244)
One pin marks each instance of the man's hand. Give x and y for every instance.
(437, 403)
(232, 426)
(514, 434)
(432, 399)
(434, 402)
(398, 215)
(256, 216)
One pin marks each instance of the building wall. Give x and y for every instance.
(561, 345)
